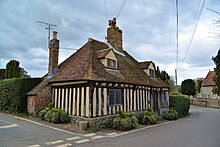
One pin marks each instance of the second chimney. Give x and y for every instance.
(53, 53)
(114, 35)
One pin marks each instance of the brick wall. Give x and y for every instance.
(37, 102)
(114, 37)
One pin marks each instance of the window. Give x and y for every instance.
(152, 73)
(111, 63)
(115, 97)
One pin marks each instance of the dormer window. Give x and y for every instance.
(108, 58)
(152, 72)
(148, 67)
(111, 63)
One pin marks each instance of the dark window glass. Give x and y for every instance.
(115, 96)
(152, 73)
(111, 63)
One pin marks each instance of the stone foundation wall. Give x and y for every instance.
(98, 122)
(102, 122)
(215, 103)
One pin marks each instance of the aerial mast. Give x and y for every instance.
(49, 27)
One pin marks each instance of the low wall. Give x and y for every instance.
(98, 122)
(215, 103)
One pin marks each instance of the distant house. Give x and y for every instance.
(98, 80)
(208, 85)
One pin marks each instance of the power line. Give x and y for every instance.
(213, 11)
(196, 21)
(65, 48)
(106, 11)
(121, 8)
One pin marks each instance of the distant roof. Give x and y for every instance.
(208, 81)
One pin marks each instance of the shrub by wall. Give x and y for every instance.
(125, 121)
(13, 96)
(181, 104)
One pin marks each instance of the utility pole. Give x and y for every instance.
(177, 37)
(49, 25)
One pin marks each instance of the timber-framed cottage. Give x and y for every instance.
(98, 80)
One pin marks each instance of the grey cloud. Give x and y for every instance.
(148, 29)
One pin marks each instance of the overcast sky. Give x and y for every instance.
(149, 31)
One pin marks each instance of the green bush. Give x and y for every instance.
(13, 92)
(152, 119)
(54, 115)
(148, 117)
(125, 121)
(140, 118)
(171, 114)
(64, 117)
(42, 114)
(48, 115)
(181, 104)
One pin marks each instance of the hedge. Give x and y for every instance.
(13, 96)
(181, 104)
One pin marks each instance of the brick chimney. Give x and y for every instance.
(53, 53)
(114, 35)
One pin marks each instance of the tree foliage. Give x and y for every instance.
(188, 87)
(2, 74)
(216, 60)
(13, 70)
(181, 104)
(198, 83)
(163, 75)
(13, 93)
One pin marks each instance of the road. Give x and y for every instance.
(200, 129)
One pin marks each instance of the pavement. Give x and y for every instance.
(200, 129)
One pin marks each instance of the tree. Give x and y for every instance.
(2, 74)
(188, 87)
(13, 70)
(198, 86)
(216, 60)
(24, 74)
(163, 75)
(157, 72)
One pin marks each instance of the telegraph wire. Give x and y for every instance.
(106, 10)
(196, 21)
(122, 6)
(65, 48)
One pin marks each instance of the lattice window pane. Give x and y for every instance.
(115, 96)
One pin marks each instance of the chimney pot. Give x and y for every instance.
(54, 35)
(114, 35)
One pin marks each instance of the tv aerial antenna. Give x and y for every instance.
(49, 27)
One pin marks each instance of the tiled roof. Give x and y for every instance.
(40, 86)
(208, 81)
(145, 64)
(102, 53)
(85, 65)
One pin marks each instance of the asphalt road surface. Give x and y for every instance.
(200, 129)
